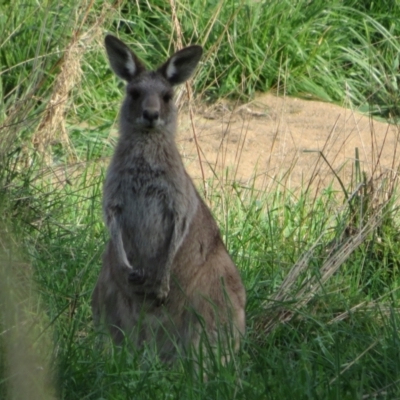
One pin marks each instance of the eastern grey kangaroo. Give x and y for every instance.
(166, 275)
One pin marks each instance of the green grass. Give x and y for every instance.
(310, 335)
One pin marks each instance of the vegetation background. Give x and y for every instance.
(321, 267)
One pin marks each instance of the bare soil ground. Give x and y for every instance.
(279, 140)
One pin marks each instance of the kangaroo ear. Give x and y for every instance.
(181, 65)
(123, 61)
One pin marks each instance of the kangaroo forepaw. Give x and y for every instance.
(136, 276)
(162, 293)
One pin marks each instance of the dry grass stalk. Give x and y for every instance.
(51, 128)
(336, 258)
(178, 46)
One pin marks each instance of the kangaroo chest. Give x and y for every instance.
(143, 185)
(141, 176)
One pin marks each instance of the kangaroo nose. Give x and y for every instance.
(151, 115)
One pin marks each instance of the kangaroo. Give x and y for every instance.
(166, 273)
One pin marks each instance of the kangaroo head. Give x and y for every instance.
(148, 105)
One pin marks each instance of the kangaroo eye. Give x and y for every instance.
(134, 93)
(167, 97)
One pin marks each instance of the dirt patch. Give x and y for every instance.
(281, 139)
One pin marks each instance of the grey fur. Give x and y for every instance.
(166, 273)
